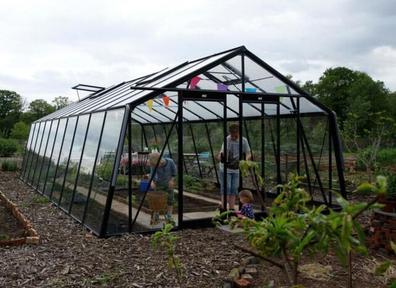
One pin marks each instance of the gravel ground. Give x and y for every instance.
(69, 256)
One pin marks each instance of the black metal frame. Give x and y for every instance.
(143, 88)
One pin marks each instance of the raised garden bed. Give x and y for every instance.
(15, 229)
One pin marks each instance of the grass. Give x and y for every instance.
(37, 199)
(8, 165)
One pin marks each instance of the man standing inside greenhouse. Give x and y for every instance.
(232, 165)
(164, 179)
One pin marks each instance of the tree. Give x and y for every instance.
(344, 91)
(60, 102)
(10, 110)
(20, 131)
(36, 110)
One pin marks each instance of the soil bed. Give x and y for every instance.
(71, 257)
(9, 226)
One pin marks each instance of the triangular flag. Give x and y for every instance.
(166, 100)
(194, 81)
(250, 90)
(222, 87)
(280, 89)
(150, 104)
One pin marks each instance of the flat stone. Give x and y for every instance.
(234, 274)
(247, 276)
(250, 270)
(242, 283)
(250, 260)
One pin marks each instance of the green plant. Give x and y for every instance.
(387, 156)
(292, 228)
(165, 239)
(105, 170)
(9, 165)
(8, 147)
(37, 199)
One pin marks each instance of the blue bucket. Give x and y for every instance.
(143, 186)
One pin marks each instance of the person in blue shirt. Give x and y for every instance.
(164, 179)
(246, 198)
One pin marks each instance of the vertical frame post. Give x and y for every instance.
(129, 123)
(298, 135)
(180, 159)
(225, 152)
(278, 168)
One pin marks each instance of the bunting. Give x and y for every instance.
(250, 90)
(150, 104)
(222, 87)
(194, 82)
(165, 98)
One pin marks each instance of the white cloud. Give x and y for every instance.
(49, 46)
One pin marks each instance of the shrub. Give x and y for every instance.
(9, 166)
(387, 156)
(8, 147)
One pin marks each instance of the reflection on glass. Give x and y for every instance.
(35, 151)
(40, 156)
(33, 132)
(63, 158)
(54, 157)
(104, 168)
(75, 156)
(47, 155)
(87, 164)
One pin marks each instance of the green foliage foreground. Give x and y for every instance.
(293, 229)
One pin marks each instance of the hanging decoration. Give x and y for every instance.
(150, 104)
(165, 98)
(194, 82)
(281, 89)
(222, 87)
(250, 89)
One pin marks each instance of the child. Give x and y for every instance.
(246, 198)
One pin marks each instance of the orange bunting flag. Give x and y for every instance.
(150, 104)
(165, 98)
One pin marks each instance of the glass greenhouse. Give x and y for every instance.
(91, 157)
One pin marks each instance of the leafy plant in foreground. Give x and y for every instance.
(165, 239)
(293, 229)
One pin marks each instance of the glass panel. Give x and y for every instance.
(104, 168)
(40, 156)
(54, 157)
(47, 157)
(87, 165)
(35, 152)
(33, 132)
(63, 158)
(74, 161)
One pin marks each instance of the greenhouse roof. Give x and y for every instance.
(154, 98)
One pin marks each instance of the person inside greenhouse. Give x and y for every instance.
(232, 160)
(164, 179)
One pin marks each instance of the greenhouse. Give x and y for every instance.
(91, 158)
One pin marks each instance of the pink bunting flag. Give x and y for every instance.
(194, 82)
(150, 104)
(165, 98)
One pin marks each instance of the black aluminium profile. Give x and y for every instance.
(116, 164)
(263, 141)
(33, 153)
(212, 152)
(154, 171)
(26, 152)
(225, 154)
(298, 136)
(166, 133)
(29, 151)
(50, 158)
(278, 147)
(59, 156)
(93, 171)
(129, 124)
(144, 135)
(155, 134)
(240, 110)
(180, 160)
(330, 187)
(79, 163)
(68, 160)
(45, 151)
(38, 153)
(196, 151)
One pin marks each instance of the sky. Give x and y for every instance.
(46, 47)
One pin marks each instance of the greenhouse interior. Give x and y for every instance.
(91, 158)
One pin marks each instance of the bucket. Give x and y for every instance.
(143, 186)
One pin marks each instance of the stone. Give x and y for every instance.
(241, 270)
(242, 283)
(247, 276)
(251, 270)
(249, 260)
(228, 284)
(33, 240)
(234, 274)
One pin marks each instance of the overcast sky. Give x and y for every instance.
(48, 46)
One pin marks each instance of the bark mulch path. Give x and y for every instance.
(68, 256)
